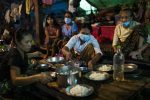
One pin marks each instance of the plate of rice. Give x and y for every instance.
(79, 90)
(104, 67)
(97, 75)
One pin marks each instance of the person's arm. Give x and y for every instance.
(141, 46)
(46, 36)
(66, 49)
(98, 53)
(66, 52)
(140, 50)
(57, 34)
(20, 80)
(115, 39)
(147, 44)
(35, 54)
(94, 60)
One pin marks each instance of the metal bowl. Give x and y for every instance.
(55, 59)
(43, 65)
(84, 69)
(130, 67)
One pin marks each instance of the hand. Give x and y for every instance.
(37, 54)
(45, 78)
(33, 62)
(115, 49)
(90, 65)
(44, 56)
(68, 56)
(134, 54)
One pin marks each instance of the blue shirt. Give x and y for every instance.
(69, 33)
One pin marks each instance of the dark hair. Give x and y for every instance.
(54, 21)
(68, 12)
(19, 34)
(86, 25)
(128, 10)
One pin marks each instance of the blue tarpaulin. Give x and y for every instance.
(57, 8)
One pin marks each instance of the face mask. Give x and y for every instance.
(67, 20)
(126, 24)
(85, 38)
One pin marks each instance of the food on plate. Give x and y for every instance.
(105, 68)
(79, 90)
(98, 76)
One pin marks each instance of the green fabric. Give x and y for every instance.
(148, 32)
(109, 3)
(148, 28)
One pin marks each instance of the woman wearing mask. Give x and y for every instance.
(124, 34)
(69, 28)
(84, 45)
(14, 78)
(52, 33)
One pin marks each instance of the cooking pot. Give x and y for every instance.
(64, 72)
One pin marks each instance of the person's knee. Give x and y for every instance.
(90, 46)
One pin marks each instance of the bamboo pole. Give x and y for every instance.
(37, 34)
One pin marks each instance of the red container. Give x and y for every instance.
(103, 33)
(107, 32)
(96, 31)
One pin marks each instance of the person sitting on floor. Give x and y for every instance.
(69, 28)
(124, 34)
(84, 45)
(13, 75)
(52, 33)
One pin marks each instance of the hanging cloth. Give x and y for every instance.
(29, 4)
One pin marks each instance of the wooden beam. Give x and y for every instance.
(37, 34)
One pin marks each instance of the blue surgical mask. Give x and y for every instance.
(67, 20)
(84, 37)
(126, 24)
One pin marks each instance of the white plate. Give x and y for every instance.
(80, 92)
(97, 76)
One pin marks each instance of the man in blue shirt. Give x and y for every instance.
(84, 45)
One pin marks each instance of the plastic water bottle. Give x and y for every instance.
(118, 65)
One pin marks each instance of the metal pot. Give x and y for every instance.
(64, 72)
